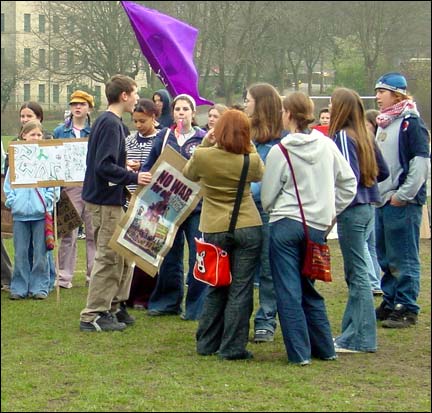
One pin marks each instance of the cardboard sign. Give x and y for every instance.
(44, 163)
(6, 214)
(147, 231)
(68, 217)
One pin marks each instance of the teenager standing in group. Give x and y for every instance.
(326, 185)
(76, 126)
(349, 132)
(167, 297)
(263, 105)
(404, 141)
(31, 278)
(138, 148)
(217, 165)
(104, 192)
(33, 111)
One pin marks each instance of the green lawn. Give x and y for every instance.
(47, 364)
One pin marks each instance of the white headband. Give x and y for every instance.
(186, 97)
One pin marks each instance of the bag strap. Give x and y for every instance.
(240, 191)
(42, 200)
(165, 138)
(285, 152)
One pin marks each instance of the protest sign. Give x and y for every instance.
(44, 163)
(68, 217)
(147, 231)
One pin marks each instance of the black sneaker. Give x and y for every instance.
(400, 317)
(123, 316)
(103, 322)
(382, 312)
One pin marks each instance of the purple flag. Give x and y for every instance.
(168, 45)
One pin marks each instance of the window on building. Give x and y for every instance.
(26, 92)
(55, 59)
(70, 59)
(27, 23)
(2, 23)
(56, 24)
(27, 57)
(69, 90)
(41, 97)
(56, 93)
(41, 23)
(42, 58)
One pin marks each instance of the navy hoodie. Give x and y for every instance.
(165, 119)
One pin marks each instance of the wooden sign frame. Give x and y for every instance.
(31, 170)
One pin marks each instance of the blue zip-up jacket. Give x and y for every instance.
(263, 149)
(65, 130)
(348, 147)
(25, 204)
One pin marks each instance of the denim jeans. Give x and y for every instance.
(398, 234)
(34, 278)
(224, 323)
(265, 317)
(196, 290)
(302, 314)
(51, 263)
(358, 322)
(167, 297)
(374, 270)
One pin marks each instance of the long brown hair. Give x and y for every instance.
(232, 132)
(266, 120)
(347, 112)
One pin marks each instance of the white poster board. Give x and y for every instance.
(44, 163)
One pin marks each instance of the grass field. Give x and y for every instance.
(47, 364)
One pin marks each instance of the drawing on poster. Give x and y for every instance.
(156, 212)
(48, 163)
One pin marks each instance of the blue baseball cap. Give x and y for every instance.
(393, 81)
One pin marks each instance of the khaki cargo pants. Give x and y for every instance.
(111, 275)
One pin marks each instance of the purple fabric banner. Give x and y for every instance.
(168, 45)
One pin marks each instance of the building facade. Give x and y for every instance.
(31, 64)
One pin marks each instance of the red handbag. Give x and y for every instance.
(316, 261)
(49, 226)
(212, 264)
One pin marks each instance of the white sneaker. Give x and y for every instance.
(67, 286)
(345, 350)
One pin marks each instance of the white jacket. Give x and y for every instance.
(325, 180)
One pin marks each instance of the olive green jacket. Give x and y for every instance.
(218, 172)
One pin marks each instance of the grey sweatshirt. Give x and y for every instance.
(325, 180)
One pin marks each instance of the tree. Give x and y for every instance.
(94, 39)
(379, 26)
(9, 79)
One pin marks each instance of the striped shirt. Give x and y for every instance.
(138, 148)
